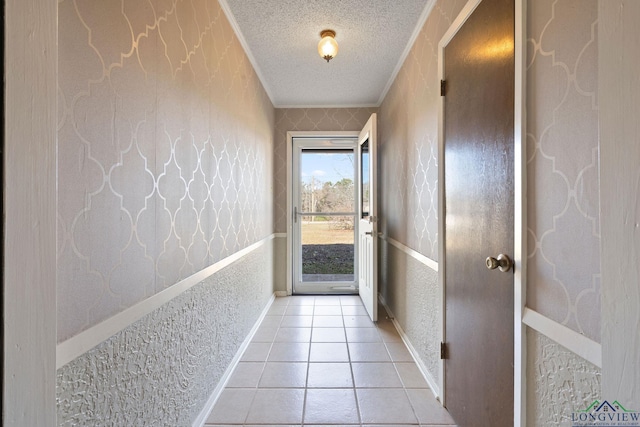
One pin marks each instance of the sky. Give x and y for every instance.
(326, 167)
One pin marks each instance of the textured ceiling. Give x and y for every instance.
(281, 38)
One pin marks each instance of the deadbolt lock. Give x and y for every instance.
(503, 262)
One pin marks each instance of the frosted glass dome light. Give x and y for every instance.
(328, 46)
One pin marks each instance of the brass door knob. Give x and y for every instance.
(503, 262)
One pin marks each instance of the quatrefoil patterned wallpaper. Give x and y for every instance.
(562, 140)
(409, 137)
(165, 151)
(171, 156)
(562, 163)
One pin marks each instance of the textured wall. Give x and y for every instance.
(165, 151)
(562, 143)
(306, 119)
(280, 271)
(558, 382)
(162, 369)
(411, 291)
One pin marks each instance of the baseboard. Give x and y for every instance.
(215, 395)
(433, 384)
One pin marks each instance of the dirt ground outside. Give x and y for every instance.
(327, 248)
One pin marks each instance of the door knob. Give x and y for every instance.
(503, 262)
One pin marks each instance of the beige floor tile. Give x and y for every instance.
(375, 375)
(329, 375)
(354, 310)
(427, 408)
(410, 375)
(232, 407)
(368, 352)
(358, 322)
(256, 352)
(328, 300)
(299, 310)
(293, 335)
(327, 310)
(289, 352)
(246, 375)
(303, 300)
(380, 406)
(327, 322)
(277, 406)
(296, 322)
(284, 375)
(328, 335)
(265, 333)
(271, 321)
(350, 300)
(329, 352)
(325, 406)
(277, 310)
(352, 373)
(363, 335)
(398, 352)
(388, 332)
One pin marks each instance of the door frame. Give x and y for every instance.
(289, 211)
(520, 208)
(296, 174)
(30, 198)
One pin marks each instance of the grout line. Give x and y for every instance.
(353, 387)
(353, 380)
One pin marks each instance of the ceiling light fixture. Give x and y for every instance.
(328, 46)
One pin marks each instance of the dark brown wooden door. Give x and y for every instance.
(479, 112)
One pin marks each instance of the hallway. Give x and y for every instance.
(319, 360)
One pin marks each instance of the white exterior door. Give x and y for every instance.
(324, 216)
(368, 219)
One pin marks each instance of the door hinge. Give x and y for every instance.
(443, 351)
(443, 87)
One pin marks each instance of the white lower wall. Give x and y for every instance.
(162, 369)
(410, 289)
(280, 262)
(559, 382)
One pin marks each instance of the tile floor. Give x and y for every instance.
(319, 360)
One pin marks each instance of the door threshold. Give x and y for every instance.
(336, 290)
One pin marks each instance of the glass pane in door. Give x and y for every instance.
(327, 181)
(326, 223)
(364, 179)
(328, 249)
